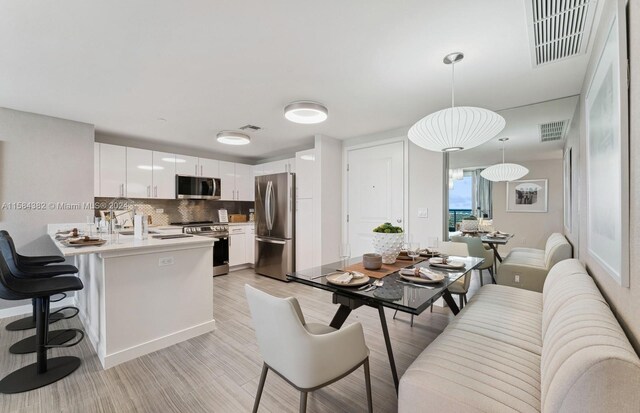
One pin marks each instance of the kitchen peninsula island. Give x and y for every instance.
(140, 296)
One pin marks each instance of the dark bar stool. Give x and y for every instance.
(14, 263)
(44, 371)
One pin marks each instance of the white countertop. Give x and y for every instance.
(233, 224)
(128, 244)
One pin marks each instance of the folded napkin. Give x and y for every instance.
(344, 278)
(412, 272)
(429, 275)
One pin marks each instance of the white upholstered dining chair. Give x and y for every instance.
(307, 355)
(461, 286)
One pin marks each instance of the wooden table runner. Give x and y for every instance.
(385, 270)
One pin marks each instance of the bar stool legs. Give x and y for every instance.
(44, 371)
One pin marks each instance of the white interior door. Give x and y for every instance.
(375, 191)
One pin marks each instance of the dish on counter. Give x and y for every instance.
(83, 242)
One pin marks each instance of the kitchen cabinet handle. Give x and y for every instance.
(155, 191)
(196, 166)
(237, 194)
(148, 191)
(201, 173)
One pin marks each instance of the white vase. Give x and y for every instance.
(388, 245)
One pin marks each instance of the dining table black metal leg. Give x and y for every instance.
(340, 317)
(446, 295)
(496, 254)
(387, 342)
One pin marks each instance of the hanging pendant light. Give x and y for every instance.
(504, 172)
(456, 128)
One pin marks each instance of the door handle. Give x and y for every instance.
(270, 241)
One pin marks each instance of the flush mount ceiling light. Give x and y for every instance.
(306, 112)
(456, 128)
(233, 138)
(504, 172)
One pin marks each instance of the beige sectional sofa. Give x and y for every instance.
(527, 268)
(512, 350)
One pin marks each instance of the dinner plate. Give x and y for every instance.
(355, 282)
(420, 280)
(451, 265)
(83, 243)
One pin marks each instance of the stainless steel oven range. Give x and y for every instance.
(220, 248)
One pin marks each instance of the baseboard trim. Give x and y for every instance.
(131, 353)
(28, 309)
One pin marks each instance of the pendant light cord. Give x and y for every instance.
(453, 84)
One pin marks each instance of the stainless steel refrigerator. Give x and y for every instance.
(275, 225)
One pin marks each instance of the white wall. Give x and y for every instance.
(327, 198)
(531, 229)
(425, 191)
(42, 159)
(625, 302)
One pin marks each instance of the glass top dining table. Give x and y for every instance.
(395, 293)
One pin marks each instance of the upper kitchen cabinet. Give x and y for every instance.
(236, 180)
(187, 165)
(164, 175)
(245, 183)
(113, 170)
(276, 167)
(139, 173)
(209, 168)
(96, 169)
(227, 181)
(304, 164)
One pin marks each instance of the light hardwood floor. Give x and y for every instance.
(219, 371)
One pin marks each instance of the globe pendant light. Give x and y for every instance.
(504, 172)
(456, 128)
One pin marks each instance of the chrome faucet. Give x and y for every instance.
(113, 217)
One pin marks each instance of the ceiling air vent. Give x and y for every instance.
(553, 131)
(251, 127)
(559, 29)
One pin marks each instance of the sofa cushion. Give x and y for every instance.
(556, 250)
(465, 371)
(511, 321)
(587, 362)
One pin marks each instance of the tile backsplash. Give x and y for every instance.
(184, 210)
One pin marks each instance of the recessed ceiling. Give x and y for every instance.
(523, 131)
(207, 66)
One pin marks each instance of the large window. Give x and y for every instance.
(460, 200)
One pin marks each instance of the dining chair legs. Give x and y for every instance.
(461, 301)
(481, 278)
(464, 298)
(394, 315)
(303, 401)
(367, 379)
(263, 377)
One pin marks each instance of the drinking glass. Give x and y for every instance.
(345, 254)
(432, 243)
(90, 223)
(413, 250)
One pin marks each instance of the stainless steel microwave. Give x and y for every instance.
(197, 187)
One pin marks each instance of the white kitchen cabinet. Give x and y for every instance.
(290, 165)
(209, 168)
(304, 166)
(113, 170)
(245, 183)
(237, 246)
(227, 181)
(250, 244)
(164, 175)
(276, 167)
(304, 234)
(139, 173)
(96, 169)
(187, 165)
(258, 170)
(236, 180)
